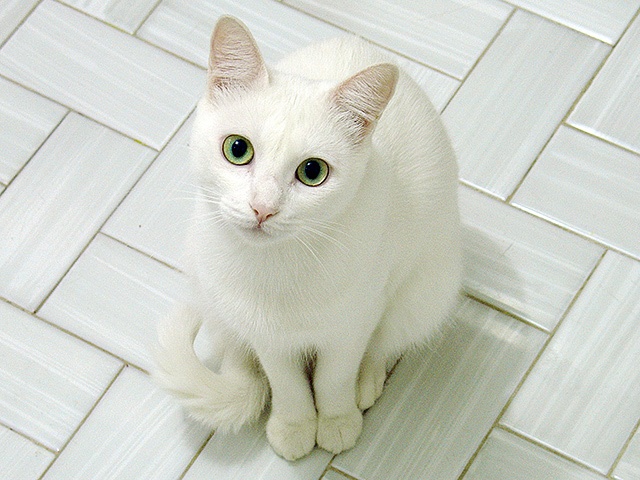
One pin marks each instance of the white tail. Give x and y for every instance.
(223, 401)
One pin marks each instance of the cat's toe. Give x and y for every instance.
(370, 385)
(339, 433)
(291, 439)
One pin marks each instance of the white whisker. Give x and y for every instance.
(313, 253)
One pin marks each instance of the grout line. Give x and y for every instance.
(532, 366)
(548, 448)
(71, 109)
(493, 40)
(108, 217)
(146, 17)
(25, 436)
(197, 454)
(373, 42)
(84, 420)
(72, 334)
(594, 35)
(563, 121)
(337, 470)
(134, 35)
(577, 233)
(555, 223)
(22, 21)
(141, 252)
(601, 136)
(471, 295)
(625, 447)
(46, 139)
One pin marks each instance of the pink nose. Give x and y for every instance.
(263, 213)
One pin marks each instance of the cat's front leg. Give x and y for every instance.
(335, 376)
(291, 428)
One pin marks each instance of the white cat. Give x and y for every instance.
(325, 240)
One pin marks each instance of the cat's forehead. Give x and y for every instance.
(291, 113)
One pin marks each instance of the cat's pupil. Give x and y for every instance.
(239, 148)
(312, 170)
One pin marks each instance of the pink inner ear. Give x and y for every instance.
(365, 95)
(234, 60)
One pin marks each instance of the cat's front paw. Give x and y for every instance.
(370, 383)
(339, 433)
(291, 439)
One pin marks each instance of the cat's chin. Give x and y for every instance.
(259, 235)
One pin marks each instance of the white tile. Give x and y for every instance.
(124, 14)
(11, 14)
(247, 454)
(27, 119)
(589, 186)
(48, 380)
(101, 72)
(440, 404)
(448, 35)
(135, 432)
(185, 28)
(611, 106)
(508, 457)
(155, 215)
(512, 102)
(113, 297)
(520, 263)
(629, 466)
(602, 20)
(58, 202)
(582, 397)
(439, 87)
(19, 458)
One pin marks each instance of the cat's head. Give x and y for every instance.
(279, 155)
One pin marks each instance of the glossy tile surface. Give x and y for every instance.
(21, 459)
(629, 466)
(581, 397)
(58, 202)
(448, 35)
(27, 119)
(538, 377)
(602, 20)
(611, 106)
(136, 431)
(134, 88)
(509, 107)
(185, 27)
(154, 216)
(83, 302)
(123, 14)
(248, 455)
(48, 380)
(587, 185)
(458, 385)
(12, 12)
(507, 457)
(520, 263)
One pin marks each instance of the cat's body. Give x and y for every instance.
(349, 273)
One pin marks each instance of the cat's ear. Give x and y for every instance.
(364, 96)
(235, 62)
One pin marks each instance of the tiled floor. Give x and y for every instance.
(539, 378)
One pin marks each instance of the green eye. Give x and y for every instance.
(312, 172)
(237, 149)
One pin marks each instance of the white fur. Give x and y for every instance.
(345, 276)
